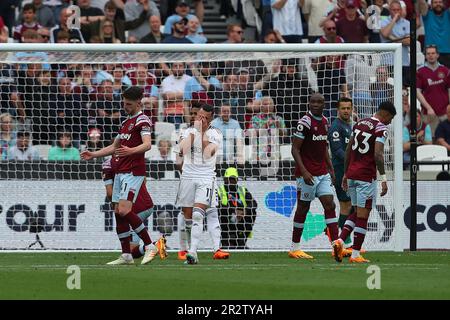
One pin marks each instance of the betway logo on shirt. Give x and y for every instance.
(319, 138)
(431, 82)
(124, 136)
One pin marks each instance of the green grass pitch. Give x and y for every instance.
(272, 275)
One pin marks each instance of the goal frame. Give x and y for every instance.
(395, 48)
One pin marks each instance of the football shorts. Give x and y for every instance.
(362, 193)
(192, 191)
(126, 187)
(322, 186)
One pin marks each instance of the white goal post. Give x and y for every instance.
(67, 198)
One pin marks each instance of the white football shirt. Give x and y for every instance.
(195, 165)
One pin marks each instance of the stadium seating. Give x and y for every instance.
(431, 153)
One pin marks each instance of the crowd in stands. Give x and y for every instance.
(74, 106)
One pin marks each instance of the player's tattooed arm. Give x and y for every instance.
(379, 160)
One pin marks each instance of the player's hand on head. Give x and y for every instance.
(384, 188)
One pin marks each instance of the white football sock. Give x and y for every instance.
(198, 215)
(182, 232)
(212, 220)
(295, 246)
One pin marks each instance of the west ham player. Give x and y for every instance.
(143, 208)
(197, 191)
(314, 172)
(363, 156)
(129, 147)
(212, 218)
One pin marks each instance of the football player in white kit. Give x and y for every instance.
(197, 190)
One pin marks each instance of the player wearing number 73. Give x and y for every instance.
(363, 156)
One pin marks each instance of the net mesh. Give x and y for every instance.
(56, 104)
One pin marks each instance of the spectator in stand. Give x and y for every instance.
(424, 136)
(4, 36)
(287, 19)
(442, 134)
(232, 135)
(39, 113)
(396, 29)
(108, 110)
(374, 29)
(44, 15)
(44, 33)
(273, 36)
(121, 81)
(62, 37)
(85, 83)
(8, 135)
(350, 27)
(267, 118)
(235, 93)
(234, 33)
(63, 150)
(433, 88)
(178, 28)
(437, 25)
(288, 89)
(313, 11)
(336, 11)
(120, 24)
(405, 106)
(88, 13)
(176, 110)
(182, 10)
(331, 83)
(133, 9)
(193, 33)
(164, 151)
(23, 150)
(330, 35)
(195, 92)
(381, 89)
(155, 35)
(107, 32)
(266, 15)
(29, 22)
(67, 112)
(8, 89)
(75, 34)
(143, 78)
(95, 140)
(8, 12)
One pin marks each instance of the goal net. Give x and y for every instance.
(57, 101)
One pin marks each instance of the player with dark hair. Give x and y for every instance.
(143, 207)
(129, 147)
(363, 156)
(197, 193)
(314, 172)
(338, 137)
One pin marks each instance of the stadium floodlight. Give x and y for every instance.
(76, 88)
